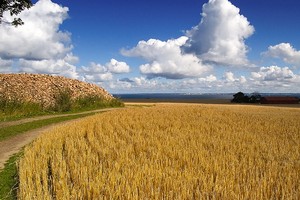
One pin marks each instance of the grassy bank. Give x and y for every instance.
(10, 131)
(16, 109)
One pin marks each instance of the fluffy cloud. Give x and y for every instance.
(96, 78)
(99, 73)
(39, 46)
(275, 79)
(5, 65)
(211, 78)
(93, 68)
(229, 78)
(138, 84)
(209, 83)
(166, 60)
(142, 81)
(39, 38)
(50, 66)
(205, 84)
(284, 51)
(117, 67)
(220, 36)
(274, 73)
(219, 39)
(95, 73)
(228, 83)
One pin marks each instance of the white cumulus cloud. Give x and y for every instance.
(96, 72)
(230, 78)
(117, 67)
(220, 36)
(39, 38)
(166, 59)
(39, 46)
(138, 84)
(275, 79)
(5, 65)
(93, 68)
(274, 73)
(211, 78)
(96, 78)
(284, 51)
(50, 66)
(219, 39)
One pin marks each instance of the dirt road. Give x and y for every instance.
(22, 121)
(13, 144)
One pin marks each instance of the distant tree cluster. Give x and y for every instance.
(240, 97)
(14, 7)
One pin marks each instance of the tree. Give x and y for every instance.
(14, 7)
(240, 98)
(255, 97)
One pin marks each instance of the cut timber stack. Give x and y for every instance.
(43, 89)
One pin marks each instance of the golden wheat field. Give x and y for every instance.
(168, 152)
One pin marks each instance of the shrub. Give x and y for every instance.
(17, 108)
(95, 102)
(14, 108)
(62, 101)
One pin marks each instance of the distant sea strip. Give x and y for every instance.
(175, 97)
(188, 97)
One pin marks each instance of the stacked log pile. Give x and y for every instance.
(43, 89)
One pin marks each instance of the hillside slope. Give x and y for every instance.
(43, 89)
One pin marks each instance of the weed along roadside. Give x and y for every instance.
(9, 178)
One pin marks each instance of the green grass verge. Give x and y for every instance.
(9, 178)
(10, 131)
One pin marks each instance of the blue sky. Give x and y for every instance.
(160, 46)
